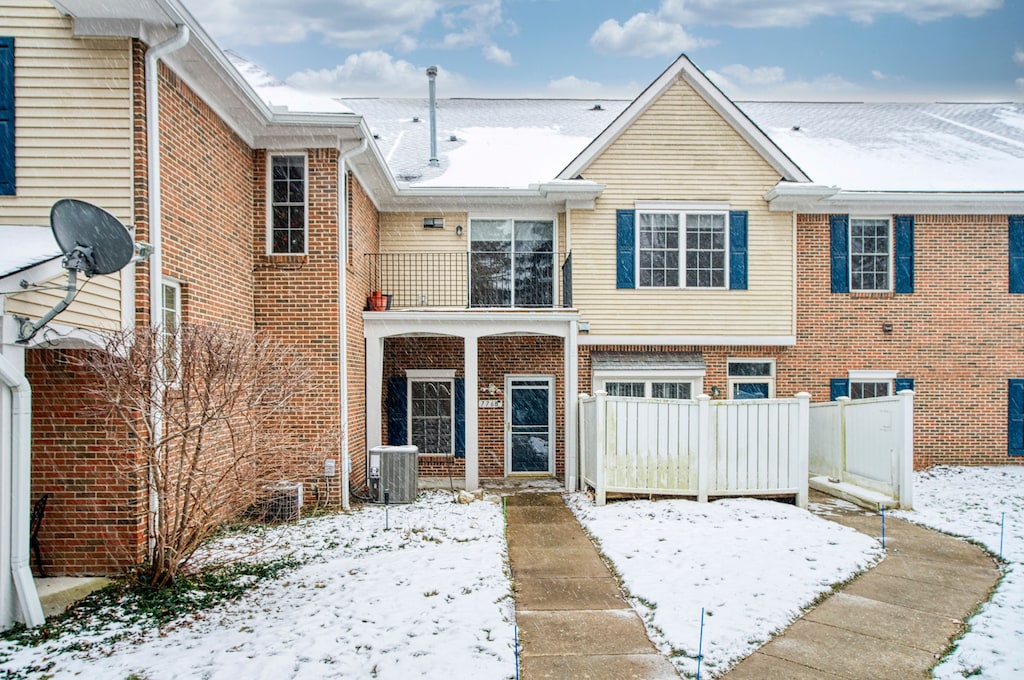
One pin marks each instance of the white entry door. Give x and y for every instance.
(529, 425)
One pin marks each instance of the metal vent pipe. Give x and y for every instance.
(432, 77)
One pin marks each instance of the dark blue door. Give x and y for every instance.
(530, 436)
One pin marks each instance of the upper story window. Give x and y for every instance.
(288, 204)
(7, 167)
(512, 263)
(686, 249)
(870, 254)
(681, 244)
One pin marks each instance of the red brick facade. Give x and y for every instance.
(498, 357)
(958, 335)
(95, 519)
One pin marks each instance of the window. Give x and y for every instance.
(653, 387)
(699, 244)
(288, 205)
(625, 389)
(431, 407)
(751, 378)
(170, 317)
(870, 384)
(7, 166)
(870, 254)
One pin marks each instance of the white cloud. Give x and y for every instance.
(643, 35)
(498, 55)
(373, 74)
(761, 13)
(351, 23)
(1018, 56)
(770, 83)
(1020, 83)
(571, 87)
(762, 75)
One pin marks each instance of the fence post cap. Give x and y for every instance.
(907, 392)
(600, 393)
(703, 397)
(584, 395)
(843, 400)
(803, 395)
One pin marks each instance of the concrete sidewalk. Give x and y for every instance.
(573, 621)
(893, 621)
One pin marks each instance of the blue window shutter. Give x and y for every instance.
(738, 250)
(398, 419)
(904, 254)
(1016, 253)
(1015, 418)
(7, 171)
(839, 387)
(625, 249)
(460, 417)
(840, 250)
(904, 384)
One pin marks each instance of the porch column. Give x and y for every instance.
(571, 408)
(374, 382)
(472, 423)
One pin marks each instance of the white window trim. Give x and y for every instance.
(870, 376)
(750, 379)
(891, 254)
(271, 155)
(429, 376)
(689, 208)
(694, 376)
(175, 285)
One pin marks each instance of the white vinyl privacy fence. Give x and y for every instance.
(698, 447)
(868, 443)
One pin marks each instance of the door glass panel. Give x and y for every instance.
(490, 261)
(531, 429)
(752, 390)
(534, 264)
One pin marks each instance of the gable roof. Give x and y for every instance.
(688, 71)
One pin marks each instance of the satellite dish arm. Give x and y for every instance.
(28, 331)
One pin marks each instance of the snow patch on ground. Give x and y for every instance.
(970, 502)
(430, 597)
(753, 565)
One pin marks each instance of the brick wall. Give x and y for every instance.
(95, 520)
(364, 228)
(958, 335)
(497, 357)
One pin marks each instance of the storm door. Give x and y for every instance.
(529, 425)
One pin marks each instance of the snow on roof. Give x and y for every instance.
(25, 247)
(900, 147)
(508, 143)
(279, 95)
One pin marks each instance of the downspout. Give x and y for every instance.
(21, 465)
(156, 264)
(343, 238)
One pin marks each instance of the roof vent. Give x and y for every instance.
(415, 119)
(796, 128)
(453, 138)
(597, 107)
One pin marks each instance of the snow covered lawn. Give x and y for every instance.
(753, 565)
(428, 598)
(970, 502)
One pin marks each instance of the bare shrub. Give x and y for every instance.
(199, 405)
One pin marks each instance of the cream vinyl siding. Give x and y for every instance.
(96, 307)
(73, 132)
(404, 233)
(73, 110)
(680, 149)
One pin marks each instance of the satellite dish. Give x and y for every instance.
(93, 240)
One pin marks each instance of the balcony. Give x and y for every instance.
(472, 280)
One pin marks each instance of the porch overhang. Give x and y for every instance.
(470, 323)
(820, 199)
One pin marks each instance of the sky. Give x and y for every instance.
(817, 50)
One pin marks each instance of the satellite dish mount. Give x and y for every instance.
(94, 243)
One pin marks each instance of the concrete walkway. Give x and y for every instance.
(893, 621)
(573, 621)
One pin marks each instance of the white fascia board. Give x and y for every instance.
(739, 121)
(814, 199)
(698, 340)
(556, 196)
(468, 323)
(37, 274)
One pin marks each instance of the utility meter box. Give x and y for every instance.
(394, 470)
